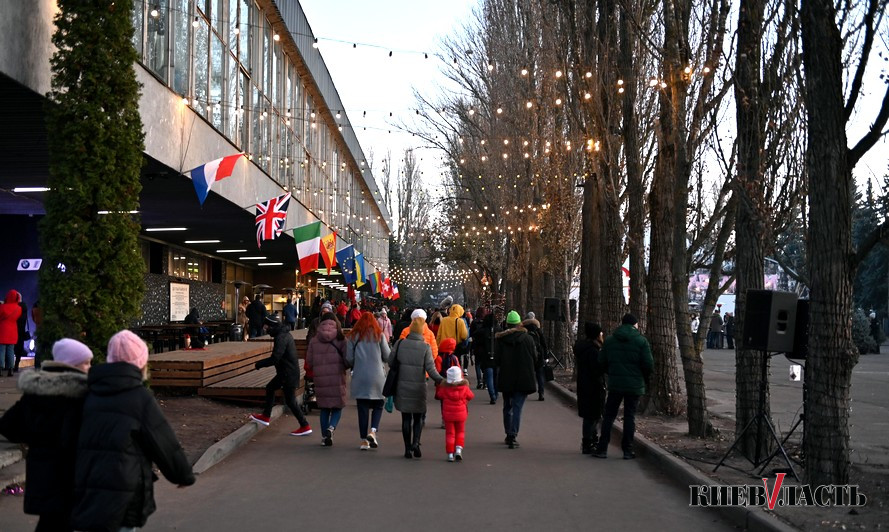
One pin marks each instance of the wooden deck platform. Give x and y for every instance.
(224, 370)
(299, 338)
(200, 368)
(248, 386)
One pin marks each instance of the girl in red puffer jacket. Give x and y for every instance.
(9, 332)
(455, 396)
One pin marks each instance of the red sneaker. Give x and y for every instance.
(261, 419)
(302, 431)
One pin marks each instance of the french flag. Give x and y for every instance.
(203, 176)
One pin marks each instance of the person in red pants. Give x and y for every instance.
(455, 396)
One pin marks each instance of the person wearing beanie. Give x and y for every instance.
(9, 335)
(428, 335)
(516, 358)
(533, 327)
(122, 433)
(47, 419)
(590, 384)
(626, 358)
(415, 360)
(454, 396)
(287, 377)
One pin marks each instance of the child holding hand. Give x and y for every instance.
(455, 396)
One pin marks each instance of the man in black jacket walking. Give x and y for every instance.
(256, 313)
(286, 376)
(516, 357)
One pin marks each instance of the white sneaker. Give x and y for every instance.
(365, 445)
(450, 457)
(372, 440)
(459, 454)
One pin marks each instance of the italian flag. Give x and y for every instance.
(308, 246)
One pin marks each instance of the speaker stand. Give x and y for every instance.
(800, 420)
(761, 418)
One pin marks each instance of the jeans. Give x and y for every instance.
(512, 412)
(289, 398)
(375, 408)
(540, 381)
(7, 356)
(490, 381)
(479, 373)
(330, 417)
(255, 332)
(611, 405)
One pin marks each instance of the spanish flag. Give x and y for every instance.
(328, 251)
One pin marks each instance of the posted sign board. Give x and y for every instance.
(178, 301)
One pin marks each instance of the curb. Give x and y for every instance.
(220, 450)
(747, 518)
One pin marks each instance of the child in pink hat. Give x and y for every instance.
(123, 433)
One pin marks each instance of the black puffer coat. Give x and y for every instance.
(47, 419)
(283, 356)
(122, 433)
(590, 378)
(516, 356)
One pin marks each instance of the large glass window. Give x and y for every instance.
(181, 62)
(218, 14)
(156, 45)
(231, 106)
(201, 52)
(137, 16)
(245, 32)
(243, 106)
(217, 57)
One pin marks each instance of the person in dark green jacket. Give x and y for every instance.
(516, 358)
(626, 358)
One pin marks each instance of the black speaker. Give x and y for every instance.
(801, 332)
(552, 309)
(770, 321)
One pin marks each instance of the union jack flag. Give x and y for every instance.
(270, 218)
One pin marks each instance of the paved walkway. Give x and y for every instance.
(280, 482)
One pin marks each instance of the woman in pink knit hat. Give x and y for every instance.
(122, 434)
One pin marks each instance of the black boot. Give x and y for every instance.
(408, 451)
(586, 446)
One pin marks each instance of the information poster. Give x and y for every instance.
(178, 301)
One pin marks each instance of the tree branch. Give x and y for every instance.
(876, 131)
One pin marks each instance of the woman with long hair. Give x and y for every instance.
(414, 361)
(366, 350)
(435, 323)
(326, 357)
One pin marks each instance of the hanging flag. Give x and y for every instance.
(350, 293)
(394, 292)
(328, 251)
(270, 218)
(359, 270)
(205, 175)
(376, 284)
(346, 259)
(308, 241)
(386, 288)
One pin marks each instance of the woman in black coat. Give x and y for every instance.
(590, 384)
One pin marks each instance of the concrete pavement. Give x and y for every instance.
(280, 482)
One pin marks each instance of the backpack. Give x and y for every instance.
(447, 361)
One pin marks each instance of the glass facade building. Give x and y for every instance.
(241, 74)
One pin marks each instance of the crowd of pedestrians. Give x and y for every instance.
(95, 431)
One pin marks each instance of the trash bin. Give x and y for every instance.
(236, 333)
(301, 323)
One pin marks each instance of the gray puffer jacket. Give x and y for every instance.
(415, 361)
(366, 358)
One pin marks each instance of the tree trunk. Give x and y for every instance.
(589, 306)
(635, 189)
(751, 225)
(832, 355)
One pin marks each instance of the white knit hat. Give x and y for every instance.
(455, 374)
(419, 313)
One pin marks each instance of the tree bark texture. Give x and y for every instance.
(751, 221)
(832, 355)
(635, 188)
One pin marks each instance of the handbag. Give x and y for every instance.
(391, 384)
(548, 373)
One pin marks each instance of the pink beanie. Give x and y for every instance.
(125, 346)
(71, 352)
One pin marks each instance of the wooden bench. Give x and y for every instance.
(201, 368)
